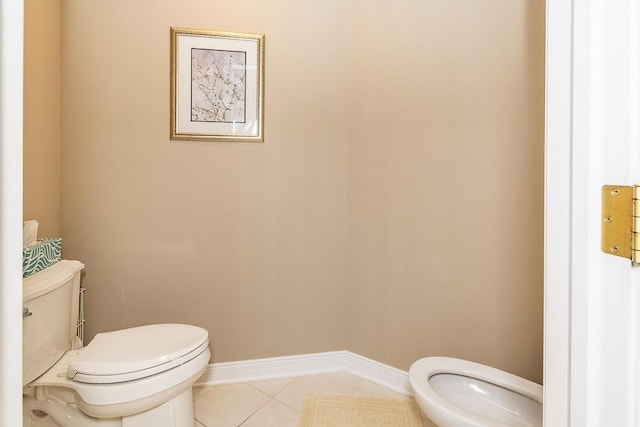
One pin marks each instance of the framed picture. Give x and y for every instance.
(217, 86)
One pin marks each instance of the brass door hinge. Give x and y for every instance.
(621, 221)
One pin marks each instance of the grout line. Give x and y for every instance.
(251, 384)
(256, 411)
(284, 404)
(278, 393)
(353, 384)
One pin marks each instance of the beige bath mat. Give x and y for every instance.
(339, 410)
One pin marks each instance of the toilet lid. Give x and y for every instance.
(129, 354)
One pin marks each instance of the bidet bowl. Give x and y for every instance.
(459, 393)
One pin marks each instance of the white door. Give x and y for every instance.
(592, 300)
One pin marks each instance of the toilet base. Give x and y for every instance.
(53, 412)
(178, 412)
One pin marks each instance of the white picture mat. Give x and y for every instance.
(184, 125)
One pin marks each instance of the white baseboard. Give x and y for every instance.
(379, 373)
(305, 364)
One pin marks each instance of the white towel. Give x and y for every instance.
(29, 233)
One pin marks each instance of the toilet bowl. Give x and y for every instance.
(134, 377)
(459, 393)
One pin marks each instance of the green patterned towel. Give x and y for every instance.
(44, 253)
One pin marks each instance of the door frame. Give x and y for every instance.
(11, 102)
(557, 211)
(592, 300)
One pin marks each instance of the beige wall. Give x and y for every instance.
(42, 114)
(248, 240)
(446, 182)
(395, 208)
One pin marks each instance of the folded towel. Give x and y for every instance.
(29, 233)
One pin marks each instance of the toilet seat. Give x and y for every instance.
(158, 379)
(134, 353)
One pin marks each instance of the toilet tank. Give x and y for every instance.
(52, 297)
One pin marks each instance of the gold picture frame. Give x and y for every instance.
(217, 86)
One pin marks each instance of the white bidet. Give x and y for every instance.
(459, 393)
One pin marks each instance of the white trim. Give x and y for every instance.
(592, 315)
(557, 215)
(11, 99)
(270, 368)
(305, 364)
(379, 373)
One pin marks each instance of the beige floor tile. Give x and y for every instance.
(293, 394)
(364, 387)
(273, 414)
(228, 405)
(271, 387)
(199, 391)
(249, 404)
(346, 377)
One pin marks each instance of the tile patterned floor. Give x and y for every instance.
(276, 403)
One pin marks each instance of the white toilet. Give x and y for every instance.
(459, 393)
(136, 377)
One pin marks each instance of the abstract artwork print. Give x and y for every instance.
(218, 86)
